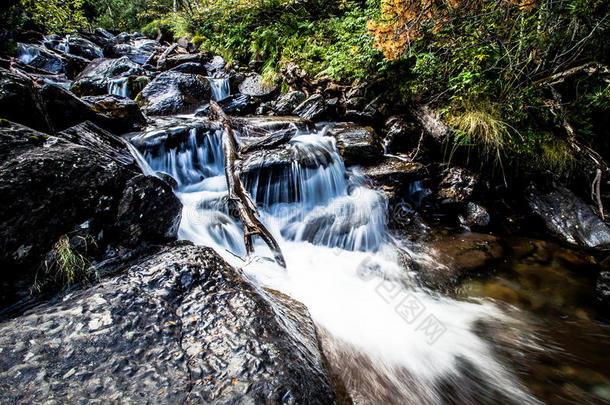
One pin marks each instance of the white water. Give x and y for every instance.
(387, 338)
(118, 87)
(221, 88)
(27, 53)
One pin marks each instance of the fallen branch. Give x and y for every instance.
(238, 195)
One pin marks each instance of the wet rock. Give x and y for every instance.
(148, 211)
(312, 108)
(174, 93)
(358, 145)
(41, 58)
(124, 114)
(20, 102)
(194, 68)
(288, 102)
(367, 115)
(474, 216)
(253, 86)
(97, 76)
(65, 109)
(602, 292)
(52, 184)
(103, 33)
(456, 255)
(181, 323)
(395, 173)
(457, 186)
(274, 124)
(137, 49)
(82, 47)
(173, 61)
(169, 180)
(568, 217)
(215, 65)
(401, 135)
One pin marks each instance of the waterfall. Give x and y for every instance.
(27, 53)
(118, 87)
(221, 88)
(385, 336)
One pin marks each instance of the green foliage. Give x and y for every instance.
(56, 15)
(67, 266)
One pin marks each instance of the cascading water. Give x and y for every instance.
(388, 339)
(221, 88)
(118, 87)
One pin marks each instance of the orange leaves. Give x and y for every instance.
(400, 24)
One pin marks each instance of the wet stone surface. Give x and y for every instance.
(180, 326)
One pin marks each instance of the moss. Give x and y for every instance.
(4, 123)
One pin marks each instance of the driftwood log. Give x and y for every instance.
(238, 195)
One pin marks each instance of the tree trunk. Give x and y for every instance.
(238, 195)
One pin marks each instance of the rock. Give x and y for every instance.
(457, 186)
(475, 216)
(288, 102)
(568, 217)
(253, 86)
(395, 173)
(276, 124)
(459, 254)
(20, 102)
(367, 115)
(432, 124)
(82, 47)
(49, 185)
(602, 292)
(64, 109)
(186, 44)
(41, 58)
(103, 33)
(124, 114)
(181, 323)
(137, 49)
(358, 145)
(401, 135)
(312, 108)
(97, 76)
(215, 65)
(148, 211)
(194, 68)
(173, 61)
(174, 93)
(169, 180)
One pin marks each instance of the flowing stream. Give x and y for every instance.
(389, 339)
(221, 88)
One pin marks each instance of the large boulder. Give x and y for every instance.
(568, 217)
(65, 110)
(358, 145)
(178, 327)
(174, 93)
(50, 186)
(254, 85)
(82, 47)
(100, 73)
(124, 114)
(20, 102)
